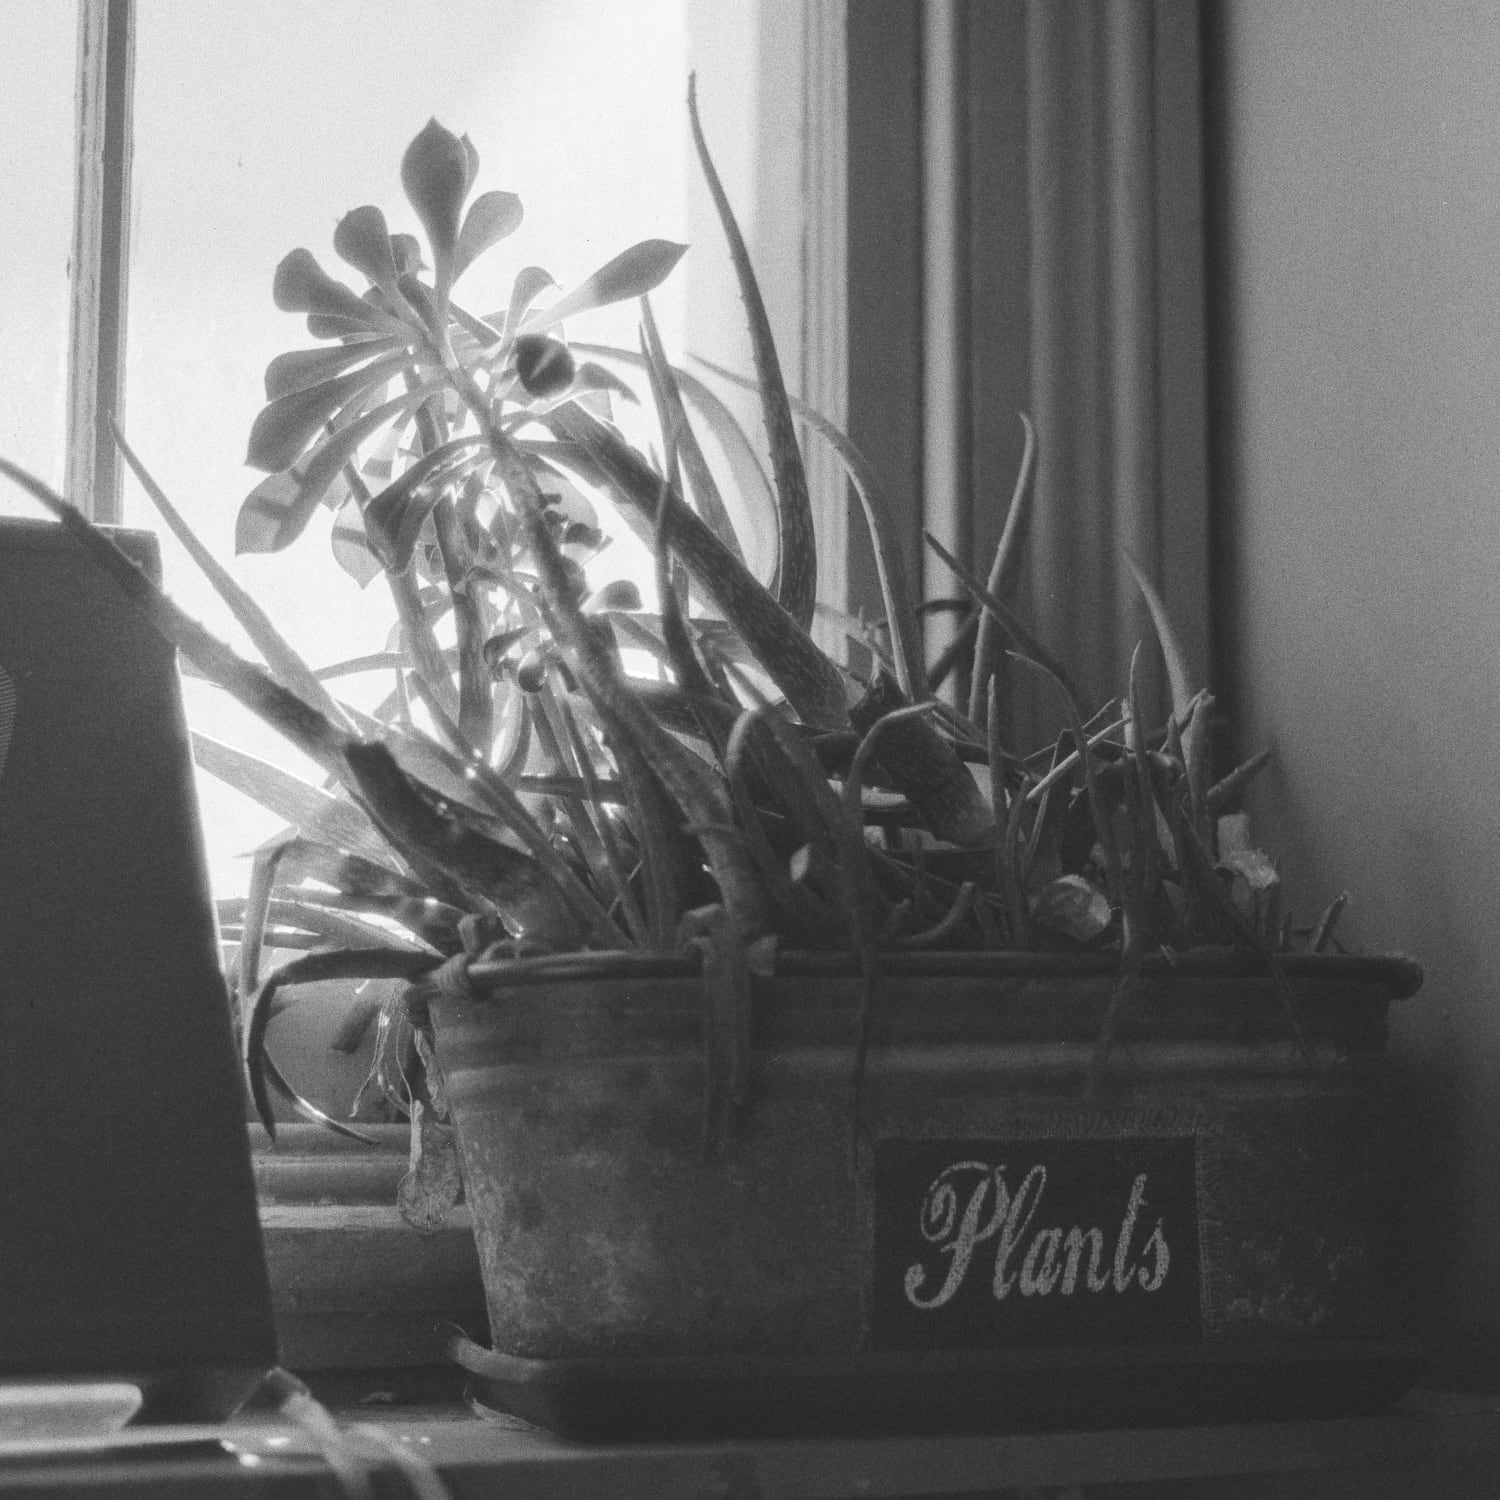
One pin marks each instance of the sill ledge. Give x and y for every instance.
(1433, 1444)
(353, 1286)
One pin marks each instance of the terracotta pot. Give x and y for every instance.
(603, 1233)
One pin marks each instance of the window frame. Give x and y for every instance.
(100, 265)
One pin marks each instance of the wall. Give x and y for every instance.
(1359, 478)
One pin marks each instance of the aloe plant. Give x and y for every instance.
(571, 779)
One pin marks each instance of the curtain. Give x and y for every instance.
(1116, 327)
(1025, 236)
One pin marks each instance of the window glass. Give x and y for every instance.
(256, 128)
(36, 168)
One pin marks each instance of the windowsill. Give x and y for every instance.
(1434, 1443)
(353, 1286)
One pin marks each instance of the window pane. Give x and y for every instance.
(256, 128)
(36, 190)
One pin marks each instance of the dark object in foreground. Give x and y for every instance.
(129, 1243)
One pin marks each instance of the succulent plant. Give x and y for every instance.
(564, 779)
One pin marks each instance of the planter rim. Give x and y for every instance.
(1401, 974)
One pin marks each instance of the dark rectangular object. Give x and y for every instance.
(129, 1235)
(912, 1392)
(1002, 1244)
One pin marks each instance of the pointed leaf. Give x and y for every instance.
(1227, 791)
(491, 217)
(797, 575)
(1026, 643)
(810, 680)
(678, 430)
(988, 660)
(880, 523)
(631, 274)
(291, 671)
(315, 813)
(750, 484)
(1322, 934)
(1171, 645)
(305, 726)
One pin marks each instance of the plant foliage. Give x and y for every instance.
(566, 778)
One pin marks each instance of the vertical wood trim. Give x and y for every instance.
(1133, 364)
(1185, 561)
(825, 293)
(1117, 331)
(1223, 337)
(100, 261)
(946, 492)
(999, 224)
(1068, 559)
(885, 271)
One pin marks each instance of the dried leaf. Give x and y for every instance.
(1074, 907)
(433, 1180)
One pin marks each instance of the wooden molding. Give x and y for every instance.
(101, 253)
(946, 489)
(353, 1286)
(825, 294)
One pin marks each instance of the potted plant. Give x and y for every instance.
(816, 1055)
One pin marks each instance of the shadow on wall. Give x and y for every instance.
(1403, 900)
(1429, 1126)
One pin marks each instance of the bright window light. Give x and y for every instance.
(256, 128)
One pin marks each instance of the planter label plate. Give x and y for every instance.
(994, 1243)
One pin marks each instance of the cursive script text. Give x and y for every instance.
(970, 1204)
